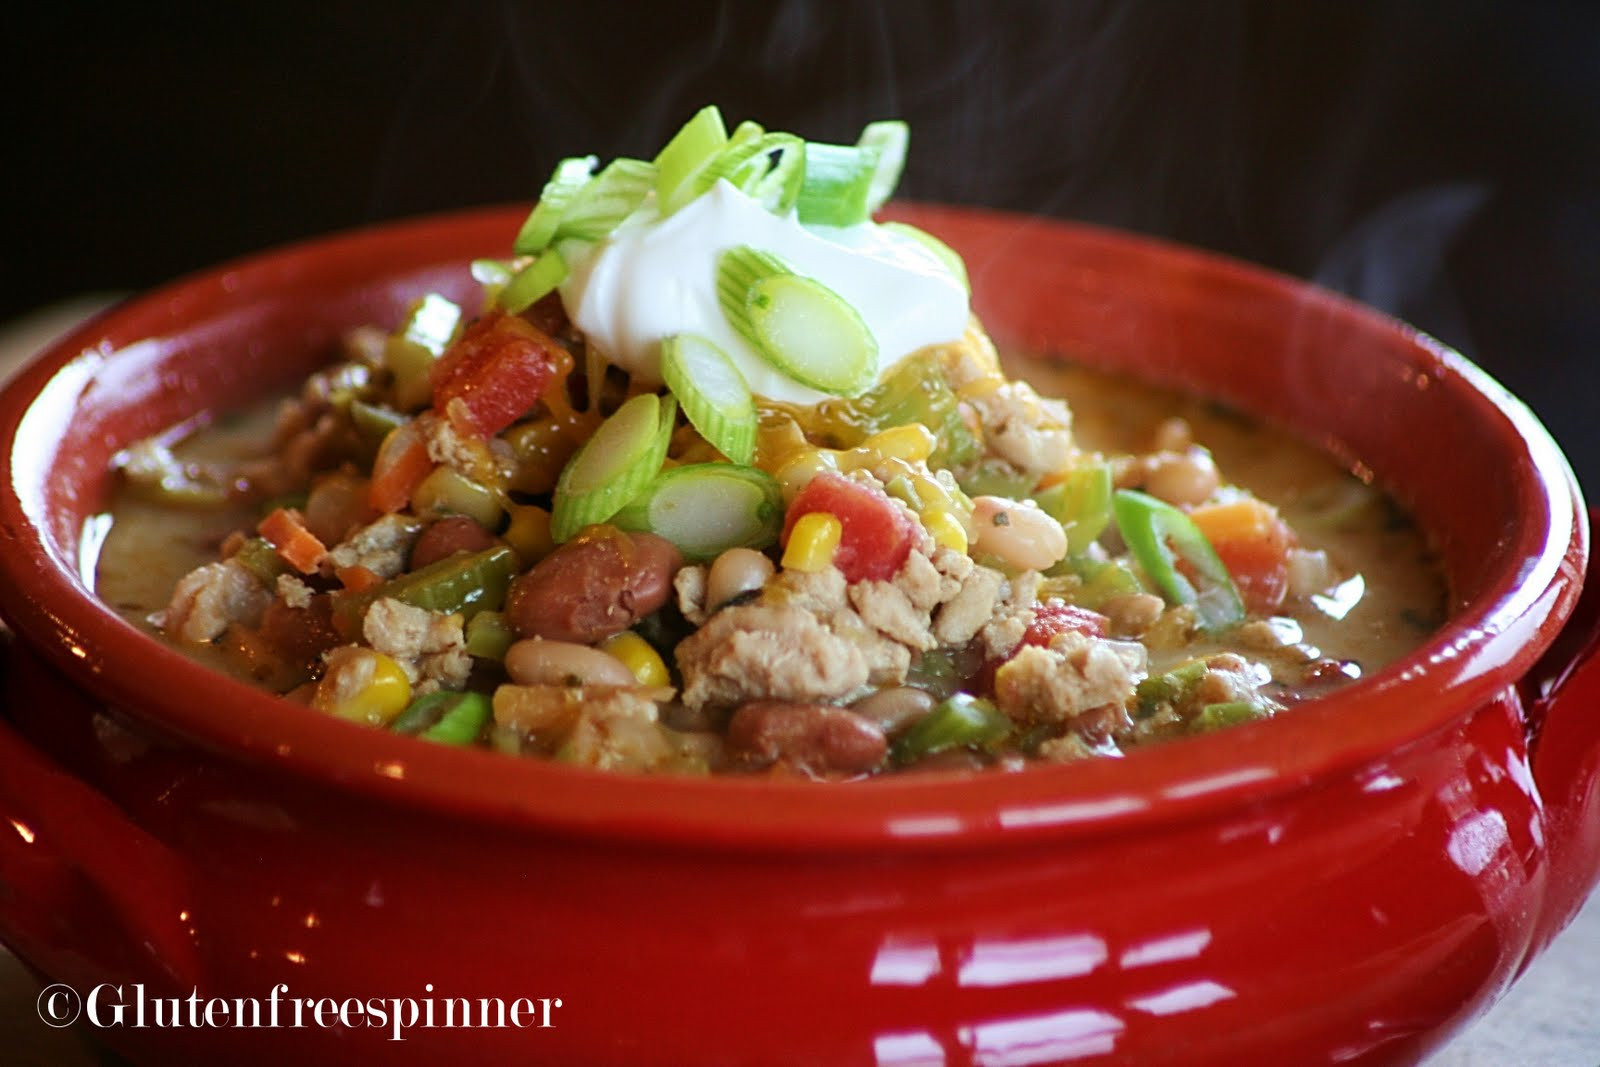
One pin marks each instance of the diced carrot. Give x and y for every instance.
(358, 579)
(401, 466)
(287, 532)
(1253, 543)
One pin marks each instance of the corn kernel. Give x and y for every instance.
(639, 657)
(363, 686)
(946, 530)
(813, 541)
(528, 534)
(913, 443)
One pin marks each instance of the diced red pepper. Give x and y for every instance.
(876, 535)
(1253, 542)
(1049, 619)
(494, 373)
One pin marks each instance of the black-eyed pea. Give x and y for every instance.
(1018, 532)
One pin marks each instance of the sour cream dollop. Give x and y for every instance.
(657, 277)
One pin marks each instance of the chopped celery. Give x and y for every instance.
(799, 325)
(1081, 503)
(914, 391)
(374, 422)
(465, 582)
(838, 184)
(707, 508)
(463, 720)
(962, 720)
(996, 477)
(258, 557)
(1147, 525)
(1101, 580)
(715, 397)
(1172, 687)
(619, 460)
(488, 635)
(411, 350)
(1228, 713)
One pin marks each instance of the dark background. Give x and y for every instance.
(1438, 159)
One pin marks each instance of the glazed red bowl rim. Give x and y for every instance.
(48, 604)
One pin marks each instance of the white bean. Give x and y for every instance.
(1018, 532)
(736, 571)
(1182, 477)
(535, 661)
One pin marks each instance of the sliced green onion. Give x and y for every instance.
(891, 138)
(681, 161)
(1081, 503)
(533, 281)
(570, 176)
(961, 721)
(837, 184)
(751, 168)
(714, 395)
(463, 720)
(707, 508)
(745, 131)
(948, 256)
(619, 460)
(1147, 525)
(799, 325)
(492, 274)
(609, 198)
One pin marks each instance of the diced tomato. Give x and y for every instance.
(1049, 619)
(1253, 543)
(876, 534)
(493, 374)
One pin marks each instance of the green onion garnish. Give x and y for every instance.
(624, 454)
(609, 198)
(838, 184)
(714, 395)
(685, 156)
(799, 325)
(1147, 525)
(948, 256)
(533, 281)
(707, 508)
(891, 138)
(570, 176)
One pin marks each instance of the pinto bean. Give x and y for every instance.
(447, 536)
(812, 738)
(895, 708)
(598, 584)
(535, 661)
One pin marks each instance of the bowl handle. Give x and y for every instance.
(1564, 740)
(83, 890)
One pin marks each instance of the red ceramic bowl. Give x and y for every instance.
(1353, 881)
